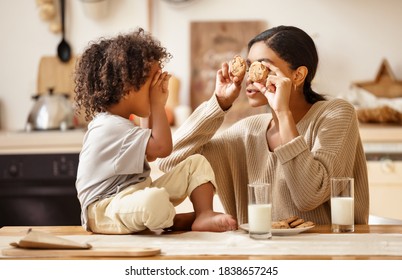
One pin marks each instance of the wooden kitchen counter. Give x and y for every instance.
(380, 133)
(376, 230)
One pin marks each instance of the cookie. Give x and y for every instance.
(305, 224)
(291, 219)
(296, 223)
(237, 66)
(280, 225)
(258, 72)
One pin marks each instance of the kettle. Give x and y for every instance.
(51, 112)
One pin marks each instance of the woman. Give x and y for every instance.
(304, 142)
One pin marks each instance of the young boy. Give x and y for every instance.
(115, 78)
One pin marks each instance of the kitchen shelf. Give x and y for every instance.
(377, 133)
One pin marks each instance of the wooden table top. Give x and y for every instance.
(20, 231)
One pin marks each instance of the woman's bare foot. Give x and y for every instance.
(214, 221)
(182, 222)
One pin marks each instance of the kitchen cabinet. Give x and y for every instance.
(383, 147)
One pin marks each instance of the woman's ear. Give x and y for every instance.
(299, 75)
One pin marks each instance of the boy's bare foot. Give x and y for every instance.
(214, 221)
(182, 222)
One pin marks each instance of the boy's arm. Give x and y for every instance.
(160, 143)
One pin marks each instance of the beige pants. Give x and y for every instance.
(149, 204)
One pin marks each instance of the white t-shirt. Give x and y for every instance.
(112, 158)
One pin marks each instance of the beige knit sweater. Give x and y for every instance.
(329, 145)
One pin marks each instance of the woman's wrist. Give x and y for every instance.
(284, 114)
(223, 102)
(287, 126)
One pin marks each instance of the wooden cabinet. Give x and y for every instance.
(383, 147)
(385, 182)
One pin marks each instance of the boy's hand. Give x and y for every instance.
(159, 90)
(160, 142)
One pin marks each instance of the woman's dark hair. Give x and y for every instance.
(296, 47)
(109, 68)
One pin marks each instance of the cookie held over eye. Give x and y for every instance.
(258, 72)
(237, 66)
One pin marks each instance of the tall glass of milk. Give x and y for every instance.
(342, 204)
(259, 210)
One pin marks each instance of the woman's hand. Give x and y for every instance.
(227, 87)
(277, 89)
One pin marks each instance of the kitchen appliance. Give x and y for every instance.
(37, 178)
(51, 111)
(38, 190)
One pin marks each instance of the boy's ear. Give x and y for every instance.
(126, 95)
(299, 75)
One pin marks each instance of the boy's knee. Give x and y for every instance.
(197, 158)
(198, 162)
(155, 197)
(158, 210)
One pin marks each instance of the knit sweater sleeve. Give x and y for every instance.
(191, 137)
(326, 148)
(224, 150)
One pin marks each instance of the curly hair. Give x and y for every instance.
(109, 68)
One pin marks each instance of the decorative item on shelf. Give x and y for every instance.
(47, 9)
(385, 84)
(213, 42)
(381, 99)
(48, 13)
(382, 114)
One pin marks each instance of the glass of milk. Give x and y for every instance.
(342, 204)
(259, 210)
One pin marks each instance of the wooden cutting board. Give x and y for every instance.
(53, 73)
(93, 252)
(42, 240)
(45, 245)
(59, 76)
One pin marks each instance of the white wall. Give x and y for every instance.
(352, 37)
